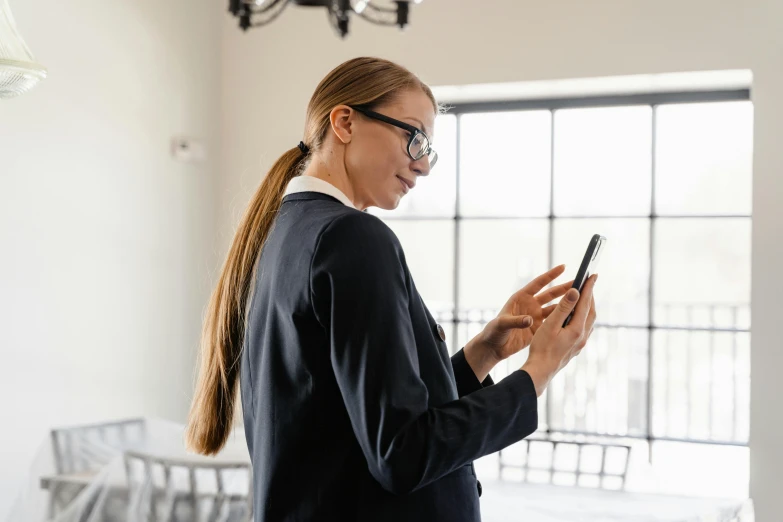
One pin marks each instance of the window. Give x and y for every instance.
(522, 186)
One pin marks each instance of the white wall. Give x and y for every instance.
(106, 243)
(270, 73)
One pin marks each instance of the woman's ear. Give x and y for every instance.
(342, 118)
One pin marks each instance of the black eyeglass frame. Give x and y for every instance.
(412, 130)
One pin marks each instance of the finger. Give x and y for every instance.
(593, 314)
(510, 322)
(583, 306)
(550, 294)
(587, 337)
(548, 310)
(562, 309)
(586, 340)
(583, 343)
(543, 280)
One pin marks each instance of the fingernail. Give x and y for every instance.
(572, 295)
(526, 322)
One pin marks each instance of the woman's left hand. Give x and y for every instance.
(511, 331)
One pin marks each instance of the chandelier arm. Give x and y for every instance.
(338, 12)
(332, 17)
(254, 9)
(272, 17)
(374, 7)
(376, 21)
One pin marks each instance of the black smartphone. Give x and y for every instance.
(589, 262)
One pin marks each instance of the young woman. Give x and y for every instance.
(353, 409)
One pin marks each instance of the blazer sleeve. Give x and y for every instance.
(467, 382)
(360, 295)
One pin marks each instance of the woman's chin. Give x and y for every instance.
(390, 204)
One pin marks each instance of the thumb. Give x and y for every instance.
(509, 322)
(566, 305)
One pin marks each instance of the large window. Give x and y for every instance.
(522, 186)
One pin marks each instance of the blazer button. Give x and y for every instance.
(441, 333)
(478, 486)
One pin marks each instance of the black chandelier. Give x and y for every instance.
(256, 13)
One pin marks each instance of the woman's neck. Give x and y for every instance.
(334, 173)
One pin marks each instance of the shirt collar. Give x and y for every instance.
(313, 184)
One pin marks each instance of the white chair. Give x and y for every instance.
(89, 447)
(584, 464)
(79, 453)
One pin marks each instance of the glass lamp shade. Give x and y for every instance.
(18, 70)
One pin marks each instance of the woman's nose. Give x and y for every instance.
(421, 166)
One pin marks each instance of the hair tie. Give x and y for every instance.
(304, 148)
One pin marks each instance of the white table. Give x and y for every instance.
(503, 501)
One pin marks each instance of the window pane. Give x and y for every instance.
(435, 195)
(621, 296)
(505, 163)
(603, 161)
(429, 251)
(701, 385)
(497, 258)
(702, 272)
(704, 158)
(604, 389)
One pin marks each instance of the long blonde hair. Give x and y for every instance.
(361, 81)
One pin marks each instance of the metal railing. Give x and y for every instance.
(685, 378)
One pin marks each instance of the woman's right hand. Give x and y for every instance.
(553, 346)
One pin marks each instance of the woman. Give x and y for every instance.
(352, 408)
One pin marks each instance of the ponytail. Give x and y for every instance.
(212, 412)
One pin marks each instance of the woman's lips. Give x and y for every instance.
(405, 184)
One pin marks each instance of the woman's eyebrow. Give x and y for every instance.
(421, 125)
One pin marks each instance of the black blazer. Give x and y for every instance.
(353, 409)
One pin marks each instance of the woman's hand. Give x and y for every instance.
(516, 324)
(554, 346)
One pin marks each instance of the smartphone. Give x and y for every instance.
(589, 262)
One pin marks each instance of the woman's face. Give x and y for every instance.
(376, 158)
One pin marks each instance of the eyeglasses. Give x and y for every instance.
(418, 142)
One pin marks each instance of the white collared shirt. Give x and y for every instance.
(312, 184)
